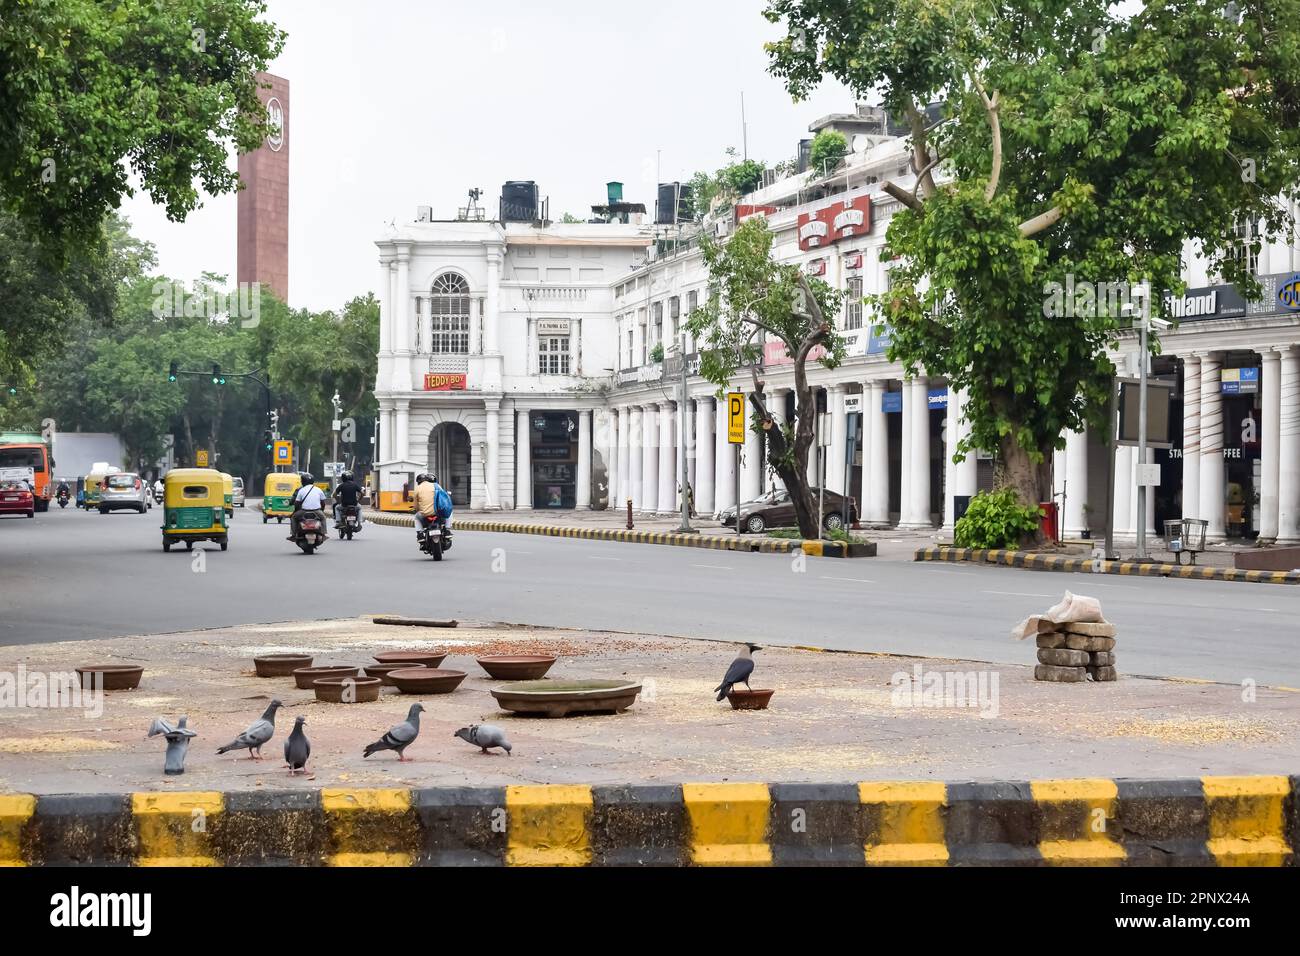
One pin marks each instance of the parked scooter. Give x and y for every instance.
(310, 532)
(435, 539)
(349, 522)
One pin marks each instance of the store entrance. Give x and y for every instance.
(448, 457)
(554, 444)
(1241, 466)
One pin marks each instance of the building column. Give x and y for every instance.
(751, 475)
(385, 306)
(836, 454)
(965, 474)
(1288, 485)
(776, 406)
(667, 458)
(878, 495)
(402, 429)
(385, 450)
(905, 454)
(704, 449)
(523, 462)
(814, 452)
(492, 313)
(635, 455)
(649, 459)
(582, 486)
(494, 496)
(1075, 520)
(402, 334)
(1123, 494)
(724, 461)
(1191, 437)
(951, 413)
(1269, 438)
(622, 490)
(1212, 499)
(609, 444)
(916, 479)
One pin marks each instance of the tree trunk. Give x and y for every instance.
(189, 438)
(1031, 482)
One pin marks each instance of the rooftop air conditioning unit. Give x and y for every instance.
(424, 214)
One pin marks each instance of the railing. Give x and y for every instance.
(555, 292)
(444, 362)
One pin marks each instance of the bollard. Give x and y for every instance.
(629, 514)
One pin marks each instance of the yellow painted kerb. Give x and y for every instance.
(174, 828)
(15, 810)
(349, 833)
(907, 822)
(1247, 822)
(548, 825)
(728, 823)
(1078, 822)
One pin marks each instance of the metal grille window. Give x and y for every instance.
(853, 304)
(449, 311)
(1247, 256)
(553, 355)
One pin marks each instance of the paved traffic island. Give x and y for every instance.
(1047, 561)
(886, 759)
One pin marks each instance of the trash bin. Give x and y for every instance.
(1185, 536)
(1048, 522)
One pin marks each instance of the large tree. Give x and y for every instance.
(1075, 146)
(752, 297)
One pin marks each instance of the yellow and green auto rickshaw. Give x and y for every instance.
(194, 508)
(228, 493)
(277, 495)
(94, 488)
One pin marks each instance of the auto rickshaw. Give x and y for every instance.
(228, 493)
(194, 508)
(94, 487)
(277, 495)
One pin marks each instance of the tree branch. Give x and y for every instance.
(902, 195)
(920, 149)
(1031, 227)
(991, 105)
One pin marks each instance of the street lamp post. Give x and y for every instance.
(335, 425)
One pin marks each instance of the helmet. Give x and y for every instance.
(423, 477)
(306, 477)
(347, 476)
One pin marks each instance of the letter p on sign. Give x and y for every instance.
(736, 418)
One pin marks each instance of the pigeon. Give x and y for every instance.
(178, 743)
(400, 737)
(258, 733)
(484, 736)
(738, 672)
(297, 748)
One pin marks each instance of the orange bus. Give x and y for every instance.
(36, 456)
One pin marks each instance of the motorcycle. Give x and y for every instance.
(310, 532)
(349, 521)
(63, 498)
(435, 539)
(157, 495)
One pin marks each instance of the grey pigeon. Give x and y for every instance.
(178, 743)
(297, 748)
(484, 736)
(738, 672)
(400, 737)
(258, 733)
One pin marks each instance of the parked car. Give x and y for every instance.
(123, 490)
(775, 510)
(16, 498)
(237, 495)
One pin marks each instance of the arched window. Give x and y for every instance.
(449, 309)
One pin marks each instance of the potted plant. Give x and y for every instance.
(657, 353)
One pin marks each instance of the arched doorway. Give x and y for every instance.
(449, 460)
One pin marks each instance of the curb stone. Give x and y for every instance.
(1057, 562)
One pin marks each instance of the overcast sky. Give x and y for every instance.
(400, 103)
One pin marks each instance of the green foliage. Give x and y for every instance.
(996, 520)
(657, 352)
(828, 147)
(732, 181)
(569, 217)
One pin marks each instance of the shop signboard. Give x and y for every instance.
(837, 220)
(444, 381)
(891, 403)
(1239, 381)
(878, 341)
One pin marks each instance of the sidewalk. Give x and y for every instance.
(835, 718)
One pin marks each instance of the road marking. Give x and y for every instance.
(1018, 594)
(948, 571)
(598, 557)
(826, 577)
(715, 567)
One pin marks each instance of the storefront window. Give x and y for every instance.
(555, 459)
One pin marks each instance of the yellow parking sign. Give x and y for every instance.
(201, 457)
(284, 452)
(736, 418)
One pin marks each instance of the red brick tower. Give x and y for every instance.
(264, 201)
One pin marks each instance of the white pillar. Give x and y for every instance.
(1212, 498)
(1191, 437)
(835, 455)
(1150, 492)
(523, 461)
(385, 307)
(494, 496)
(1288, 485)
(950, 435)
(751, 476)
(776, 405)
(492, 314)
(649, 459)
(610, 451)
(624, 487)
(704, 449)
(582, 486)
(905, 456)
(878, 496)
(635, 455)
(1269, 439)
(402, 332)
(402, 429)
(918, 447)
(1075, 519)
(667, 459)
(965, 474)
(724, 461)
(813, 450)
(1124, 508)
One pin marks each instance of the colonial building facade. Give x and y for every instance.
(534, 366)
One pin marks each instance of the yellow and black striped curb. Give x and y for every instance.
(1059, 562)
(1224, 821)
(715, 542)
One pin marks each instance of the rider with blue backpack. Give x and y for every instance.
(431, 499)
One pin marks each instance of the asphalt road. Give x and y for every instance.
(68, 575)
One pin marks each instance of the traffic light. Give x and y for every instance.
(171, 372)
(267, 439)
(217, 377)
(13, 390)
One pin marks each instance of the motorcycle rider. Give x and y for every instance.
(425, 502)
(346, 495)
(306, 499)
(63, 490)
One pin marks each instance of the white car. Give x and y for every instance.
(237, 495)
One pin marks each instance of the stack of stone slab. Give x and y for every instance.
(1073, 652)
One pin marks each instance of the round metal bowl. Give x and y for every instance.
(305, 676)
(749, 699)
(280, 665)
(425, 680)
(516, 666)
(347, 690)
(383, 670)
(111, 676)
(556, 698)
(413, 658)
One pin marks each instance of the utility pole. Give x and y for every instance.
(685, 526)
(744, 129)
(335, 426)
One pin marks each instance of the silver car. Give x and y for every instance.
(237, 494)
(124, 490)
